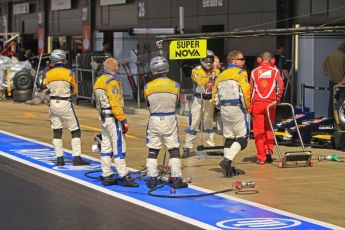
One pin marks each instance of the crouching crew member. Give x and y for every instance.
(162, 95)
(202, 108)
(109, 103)
(267, 86)
(61, 85)
(232, 93)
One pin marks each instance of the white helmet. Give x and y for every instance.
(57, 56)
(159, 65)
(207, 62)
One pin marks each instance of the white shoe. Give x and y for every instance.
(211, 143)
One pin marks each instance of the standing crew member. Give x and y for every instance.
(202, 108)
(114, 125)
(162, 95)
(232, 93)
(266, 86)
(334, 68)
(61, 85)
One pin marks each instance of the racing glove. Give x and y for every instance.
(124, 125)
(209, 86)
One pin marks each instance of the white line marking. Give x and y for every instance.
(104, 190)
(155, 208)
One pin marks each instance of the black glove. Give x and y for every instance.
(124, 126)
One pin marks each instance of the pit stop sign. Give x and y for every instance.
(187, 49)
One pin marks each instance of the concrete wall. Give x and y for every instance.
(313, 49)
(26, 23)
(65, 22)
(232, 14)
(116, 17)
(314, 12)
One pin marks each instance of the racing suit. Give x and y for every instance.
(202, 107)
(61, 85)
(162, 95)
(109, 103)
(266, 86)
(232, 93)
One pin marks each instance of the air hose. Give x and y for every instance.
(88, 174)
(236, 187)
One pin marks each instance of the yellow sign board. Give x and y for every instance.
(187, 49)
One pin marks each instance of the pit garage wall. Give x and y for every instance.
(65, 22)
(317, 12)
(119, 17)
(25, 23)
(230, 13)
(2, 15)
(313, 49)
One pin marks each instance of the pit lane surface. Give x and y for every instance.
(33, 199)
(212, 212)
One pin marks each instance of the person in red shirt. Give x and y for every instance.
(267, 86)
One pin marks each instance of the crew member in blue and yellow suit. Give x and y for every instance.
(61, 85)
(112, 118)
(202, 108)
(162, 95)
(231, 92)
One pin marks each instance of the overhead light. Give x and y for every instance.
(135, 31)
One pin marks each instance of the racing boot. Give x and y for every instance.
(77, 161)
(127, 181)
(186, 153)
(152, 182)
(109, 180)
(178, 183)
(226, 166)
(60, 161)
(269, 158)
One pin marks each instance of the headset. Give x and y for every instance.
(259, 60)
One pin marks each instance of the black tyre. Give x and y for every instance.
(23, 81)
(86, 58)
(340, 112)
(22, 95)
(39, 81)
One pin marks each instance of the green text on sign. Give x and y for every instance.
(187, 49)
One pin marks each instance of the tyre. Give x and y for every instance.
(86, 58)
(23, 81)
(22, 95)
(340, 112)
(39, 81)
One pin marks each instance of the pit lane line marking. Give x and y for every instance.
(33, 115)
(101, 189)
(150, 206)
(29, 114)
(112, 193)
(99, 130)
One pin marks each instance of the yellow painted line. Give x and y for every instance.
(28, 114)
(183, 125)
(90, 128)
(32, 115)
(99, 130)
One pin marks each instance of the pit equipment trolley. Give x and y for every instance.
(288, 158)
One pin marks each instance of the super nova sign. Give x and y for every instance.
(187, 49)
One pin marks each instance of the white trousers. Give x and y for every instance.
(162, 130)
(201, 110)
(113, 145)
